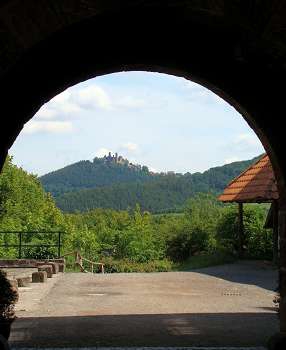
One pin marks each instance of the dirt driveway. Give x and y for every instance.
(229, 305)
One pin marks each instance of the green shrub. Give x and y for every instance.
(257, 240)
(206, 260)
(124, 265)
(40, 252)
(179, 247)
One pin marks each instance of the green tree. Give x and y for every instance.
(25, 206)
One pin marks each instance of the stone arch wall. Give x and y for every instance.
(235, 48)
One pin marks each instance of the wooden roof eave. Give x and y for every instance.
(255, 200)
(252, 186)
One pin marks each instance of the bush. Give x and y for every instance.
(124, 265)
(206, 260)
(257, 240)
(187, 238)
(40, 252)
(179, 247)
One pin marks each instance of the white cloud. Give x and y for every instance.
(74, 101)
(244, 146)
(231, 160)
(101, 152)
(96, 97)
(202, 94)
(130, 147)
(70, 108)
(33, 127)
(62, 97)
(65, 103)
(248, 138)
(46, 113)
(153, 170)
(93, 97)
(247, 142)
(71, 102)
(59, 106)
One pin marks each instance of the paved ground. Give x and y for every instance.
(228, 305)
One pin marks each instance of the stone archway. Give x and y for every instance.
(237, 49)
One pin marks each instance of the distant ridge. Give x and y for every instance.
(114, 182)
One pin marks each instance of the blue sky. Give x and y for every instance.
(158, 120)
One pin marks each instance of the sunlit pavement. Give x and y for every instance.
(223, 306)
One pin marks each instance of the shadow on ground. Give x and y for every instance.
(206, 329)
(257, 273)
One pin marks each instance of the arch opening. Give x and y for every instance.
(173, 320)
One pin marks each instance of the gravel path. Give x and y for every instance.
(229, 305)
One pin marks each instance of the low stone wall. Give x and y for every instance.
(27, 263)
(51, 266)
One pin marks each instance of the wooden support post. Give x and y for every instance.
(240, 230)
(275, 232)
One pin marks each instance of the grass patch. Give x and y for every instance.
(204, 260)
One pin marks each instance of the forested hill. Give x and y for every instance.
(120, 186)
(101, 172)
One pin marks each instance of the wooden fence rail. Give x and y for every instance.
(79, 261)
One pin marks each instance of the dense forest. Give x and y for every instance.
(107, 184)
(204, 233)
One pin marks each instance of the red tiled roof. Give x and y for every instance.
(255, 184)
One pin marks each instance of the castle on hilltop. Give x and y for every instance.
(115, 159)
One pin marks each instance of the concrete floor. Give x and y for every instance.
(229, 305)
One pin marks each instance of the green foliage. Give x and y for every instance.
(119, 234)
(40, 252)
(125, 265)
(204, 232)
(25, 206)
(205, 260)
(179, 246)
(257, 240)
(194, 231)
(85, 185)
